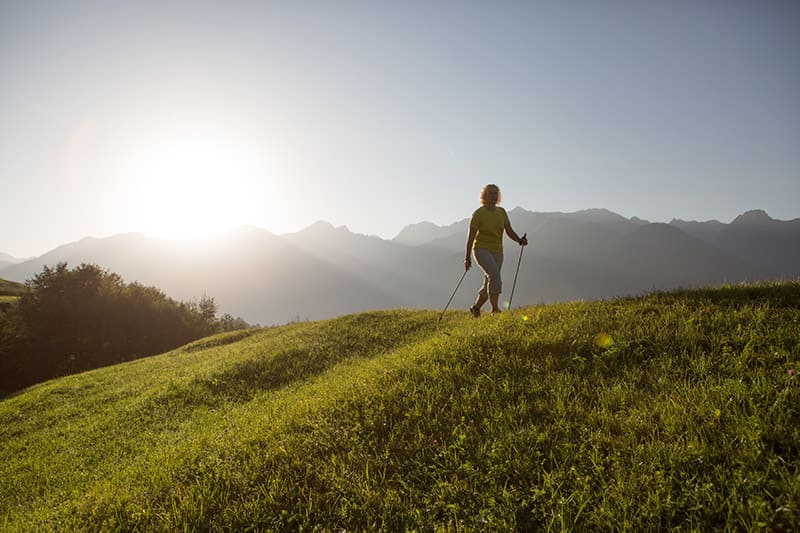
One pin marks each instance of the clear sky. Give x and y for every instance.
(183, 118)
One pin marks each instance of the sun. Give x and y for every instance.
(193, 186)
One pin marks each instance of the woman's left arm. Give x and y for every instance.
(522, 241)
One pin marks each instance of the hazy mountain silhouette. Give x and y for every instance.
(324, 271)
(754, 236)
(7, 260)
(424, 232)
(772, 244)
(452, 237)
(249, 271)
(708, 231)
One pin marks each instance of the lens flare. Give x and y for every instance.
(603, 340)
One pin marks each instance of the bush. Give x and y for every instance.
(75, 320)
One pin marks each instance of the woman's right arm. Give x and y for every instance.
(470, 239)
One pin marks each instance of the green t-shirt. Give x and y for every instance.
(490, 224)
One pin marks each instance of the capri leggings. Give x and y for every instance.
(490, 262)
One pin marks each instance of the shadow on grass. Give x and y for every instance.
(218, 340)
(244, 380)
(358, 336)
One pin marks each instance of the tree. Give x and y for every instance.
(75, 320)
(228, 323)
(207, 308)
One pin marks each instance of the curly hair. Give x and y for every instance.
(486, 191)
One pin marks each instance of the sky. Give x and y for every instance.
(185, 118)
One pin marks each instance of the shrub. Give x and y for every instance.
(75, 320)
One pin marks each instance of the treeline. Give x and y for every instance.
(69, 321)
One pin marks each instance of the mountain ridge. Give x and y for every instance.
(324, 271)
(8, 260)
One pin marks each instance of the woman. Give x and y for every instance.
(485, 239)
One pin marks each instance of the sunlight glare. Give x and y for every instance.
(603, 340)
(194, 187)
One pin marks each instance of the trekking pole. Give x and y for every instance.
(451, 296)
(521, 248)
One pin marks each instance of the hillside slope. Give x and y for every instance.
(674, 410)
(11, 288)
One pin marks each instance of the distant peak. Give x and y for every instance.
(10, 258)
(322, 227)
(754, 216)
(423, 224)
(598, 213)
(418, 233)
(682, 222)
(319, 225)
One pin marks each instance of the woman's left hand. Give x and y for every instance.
(524, 240)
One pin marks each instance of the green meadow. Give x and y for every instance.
(672, 411)
(11, 288)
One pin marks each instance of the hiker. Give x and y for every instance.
(485, 239)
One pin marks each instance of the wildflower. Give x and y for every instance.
(791, 372)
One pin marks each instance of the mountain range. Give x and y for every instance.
(8, 260)
(324, 271)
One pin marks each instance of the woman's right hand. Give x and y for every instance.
(467, 263)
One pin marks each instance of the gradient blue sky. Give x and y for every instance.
(123, 116)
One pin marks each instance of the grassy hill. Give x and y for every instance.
(675, 410)
(10, 290)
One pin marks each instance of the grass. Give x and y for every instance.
(11, 288)
(681, 415)
(8, 299)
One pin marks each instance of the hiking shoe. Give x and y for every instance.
(476, 311)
